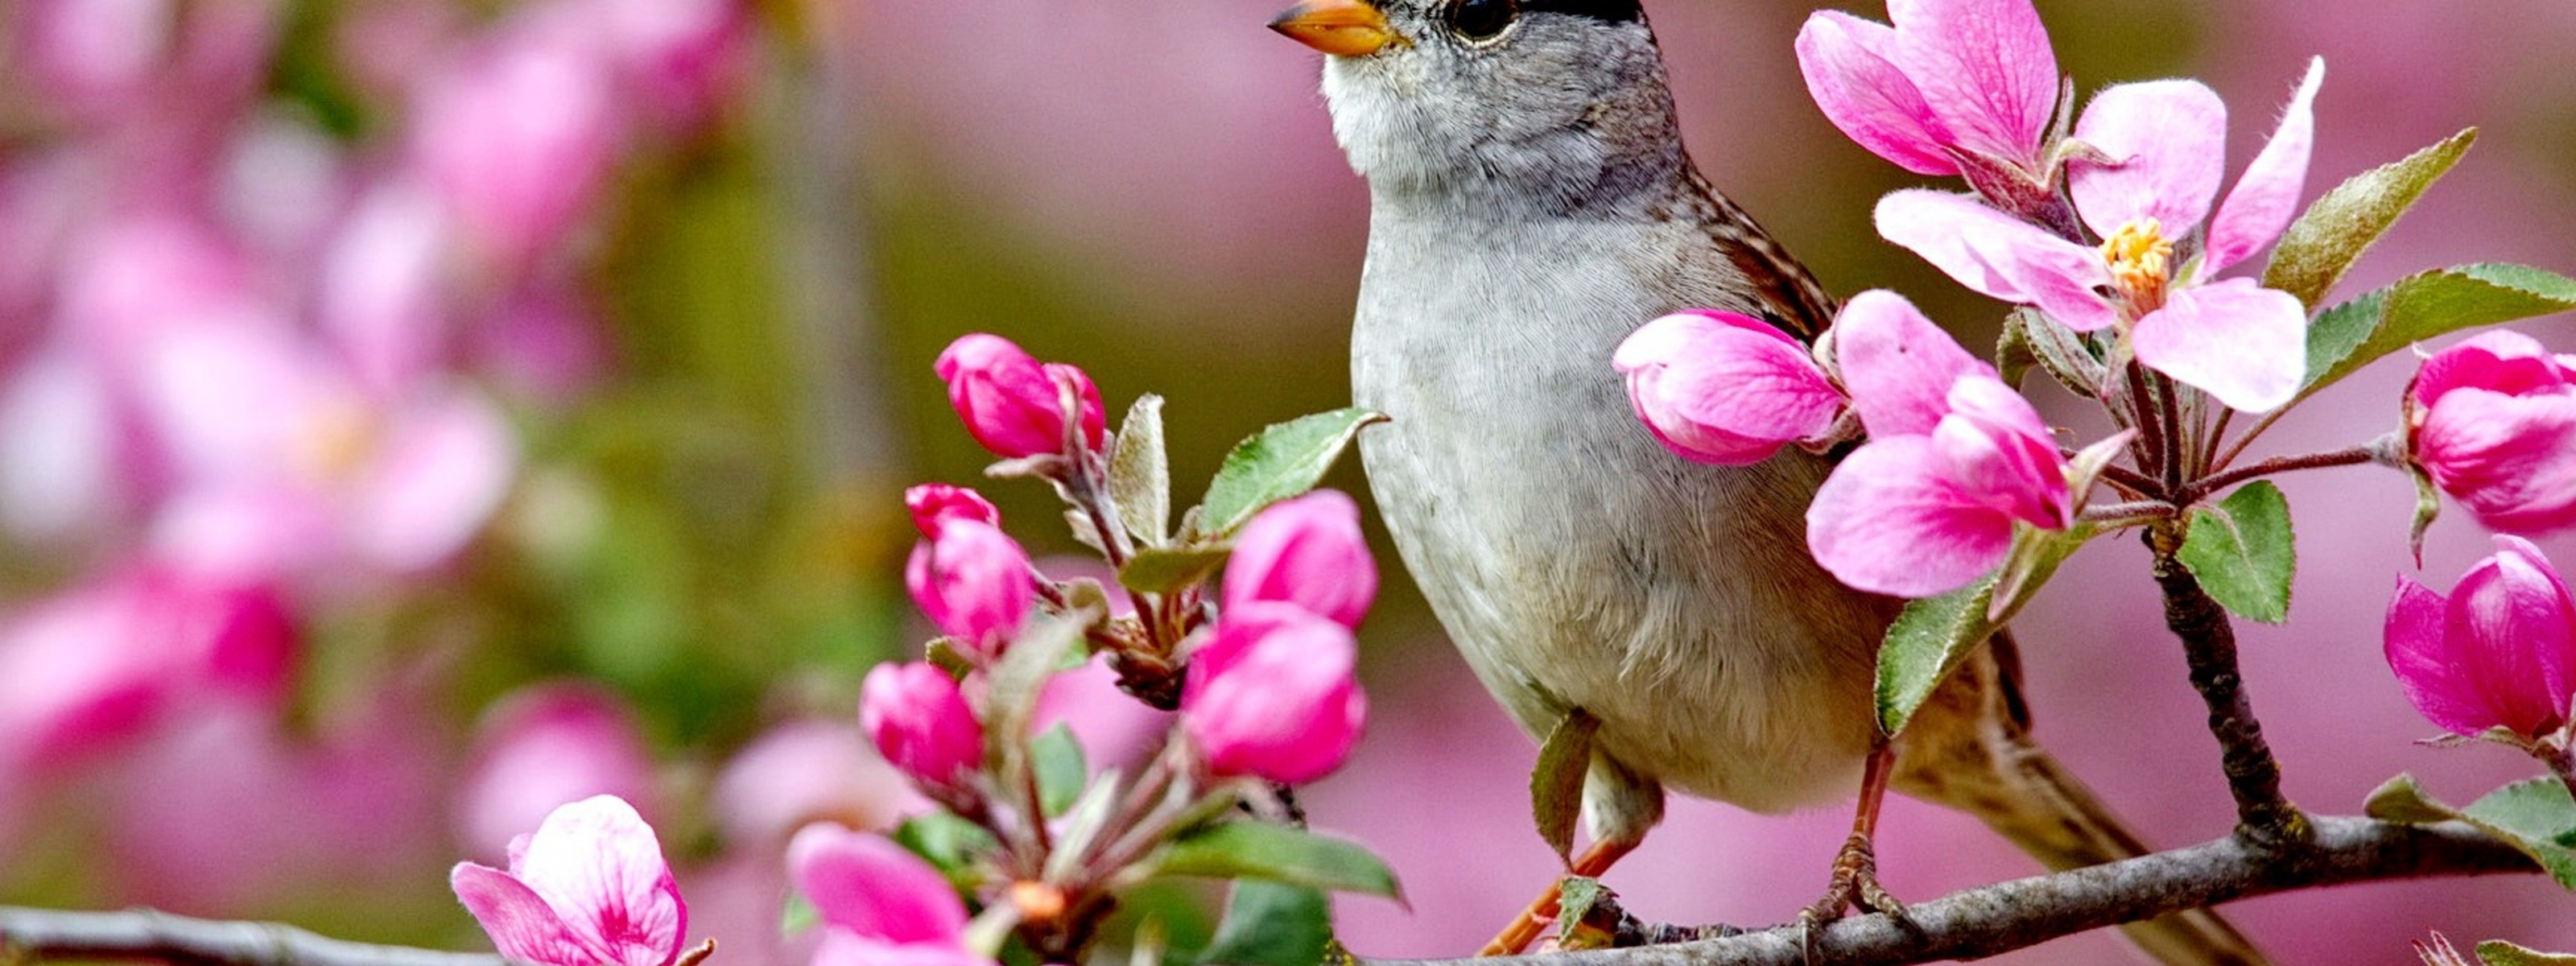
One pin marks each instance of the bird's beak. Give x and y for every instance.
(1344, 28)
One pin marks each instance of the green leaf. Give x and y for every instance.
(2537, 817)
(1271, 924)
(2242, 551)
(949, 843)
(1162, 570)
(1258, 850)
(1278, 462)
(2346, 337)
(1016, 679)
(2331, 234)
(2497, 952)
(1925, 644)
(797, 915)
(2403, 801)
(1056, 758)
(1556, 783)
(2428, 508)
(1140, 472)
(2056, 349)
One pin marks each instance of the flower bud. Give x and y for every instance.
(2500, 652)
(1272, 694)
(1011, 402)
(1307, 551)
(934, 503)
(920, 723)
(1718, 387)
(973, 581)
(2493, 421)
(869, 887)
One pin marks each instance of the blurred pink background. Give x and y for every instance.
(575, 373)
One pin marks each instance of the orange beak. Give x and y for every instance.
(1343, 28)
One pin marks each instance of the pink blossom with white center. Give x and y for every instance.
(542, 747)
(2493, 421)
(1725, 388)
(2242, 343)
(1307, 551)
(1950, 77)
(589, 888)
(1955, 460)
(2500, 652)
(880, 905)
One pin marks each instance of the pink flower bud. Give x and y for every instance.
(867, 887)
(589, 888)
(1272, 694)
(2499, 652)
(2493, 420)
(1011, 402)
(1724, 388)
(935, 503)
(919, 721)
(1306, 551)
(973, 581)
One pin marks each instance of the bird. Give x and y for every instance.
(1531, 203)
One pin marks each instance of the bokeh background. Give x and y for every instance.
(415, 414)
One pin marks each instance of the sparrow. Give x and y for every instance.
(1531, 204)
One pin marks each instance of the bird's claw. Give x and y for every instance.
(1854, 886)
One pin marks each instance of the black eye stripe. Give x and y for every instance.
(1612, 11)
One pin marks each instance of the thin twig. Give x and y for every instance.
(2205, 486)
(2264, 816)
(2128, 514)
(2237, 448)
(50, 934)
(2012, 915)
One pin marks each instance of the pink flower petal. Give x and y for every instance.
(2508, 625)
(1724, 388)
(872, 887)
(1984, 67)
(2511, 460)
(1997, 446)
(1898, 365)
(1306, 551)
(442, 470)
(1887, 522)
(2240, 342)
(843, 949)
(523, 927)
(1846, 62)
(2498, 360)
(2171, 140)
(2420, 655)
(1999, 255)
(599, 865)
(2267, 194)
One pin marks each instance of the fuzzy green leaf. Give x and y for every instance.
(1271, 924)
(1162, 570)
(1926, 643)
(1140, 472)
(2346, 337)
(2403, 801)
(1014, 683)
(2497, 952)
(1278, 462)
(1556, 783)
(1258, 850)
(2242, 552)
(2538, 817)
(2318, 248)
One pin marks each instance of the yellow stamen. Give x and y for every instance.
(2141, 261)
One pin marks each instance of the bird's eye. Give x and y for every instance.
(1482, 19)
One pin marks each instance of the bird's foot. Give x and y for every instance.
(1854, 886)
(1526, 927)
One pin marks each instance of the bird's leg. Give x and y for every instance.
(1525, 928)
(1855, 878)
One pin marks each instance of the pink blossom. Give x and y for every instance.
(677, 58)
(518, 139)
(2500, 652)
(1955, 459)
(1272, 694)
(2240, 342)
(934, 503)
(1306, 551)
(544, 746)
(1011, 402)
(2493, 420)
(1951, 77)
(590, 888)
(805, 771)
(97, 665)
(1725, 388)
(973, 581)
(880, 905)
(920, 722)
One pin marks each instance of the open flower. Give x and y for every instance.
(1951, 77)
(1955, 458)
(2500, 652)
(2242, 343)
(1725, 388)
(1272, 694)
(2493, 421)
(1306, 551)
(590, 888)
(880, 905)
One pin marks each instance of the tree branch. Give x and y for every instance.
(1993, 919)
(49, 934)
(2209, 647)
